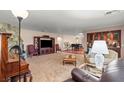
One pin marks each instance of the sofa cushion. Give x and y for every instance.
(114, 72)
(82, 76)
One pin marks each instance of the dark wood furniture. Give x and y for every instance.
(9, 68)
(39, 49)
(76, 46)
(57, 47)
(113, 39)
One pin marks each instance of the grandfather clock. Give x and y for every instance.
(3, 55)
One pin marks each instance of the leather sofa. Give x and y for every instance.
(114, 72)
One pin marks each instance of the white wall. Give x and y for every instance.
(27, 36)
(68, 38)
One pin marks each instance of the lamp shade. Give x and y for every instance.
(100, 46)
(21, 13)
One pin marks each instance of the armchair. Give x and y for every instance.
(31, 50)
(112, 56)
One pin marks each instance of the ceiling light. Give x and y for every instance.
(59, 38)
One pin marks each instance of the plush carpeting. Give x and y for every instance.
(49, 68)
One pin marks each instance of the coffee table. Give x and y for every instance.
(91, 69)
(70, 59)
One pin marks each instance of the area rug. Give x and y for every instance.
(49, 68)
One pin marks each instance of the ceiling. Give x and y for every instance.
(65, 21)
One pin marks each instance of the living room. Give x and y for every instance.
(72, 58)
(55, 45)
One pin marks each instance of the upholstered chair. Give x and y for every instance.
(31, 50)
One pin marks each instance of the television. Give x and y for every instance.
(46, 43)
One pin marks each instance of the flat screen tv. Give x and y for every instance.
(46, 43)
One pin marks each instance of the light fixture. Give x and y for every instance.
(99, 47)
(59, 38)
(109, 12)
(21, 14)
(81, 35)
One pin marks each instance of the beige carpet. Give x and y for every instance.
(49, 68)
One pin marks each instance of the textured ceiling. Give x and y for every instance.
(65, 21)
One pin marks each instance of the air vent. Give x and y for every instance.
(111, 12)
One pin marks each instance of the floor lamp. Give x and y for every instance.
(20, 15)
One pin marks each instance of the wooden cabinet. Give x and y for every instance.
(3, 55)
(112, 38)
(44, 50)
(9, 67)
(37, 44)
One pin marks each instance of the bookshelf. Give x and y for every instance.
(112, 38)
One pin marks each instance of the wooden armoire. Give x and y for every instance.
(3, 55)
(10, 68)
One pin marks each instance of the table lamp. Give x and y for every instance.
(99, 48)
